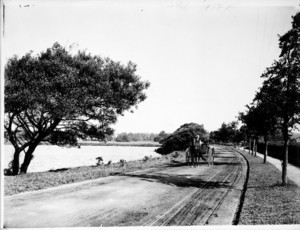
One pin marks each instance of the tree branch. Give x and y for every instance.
(24, 125)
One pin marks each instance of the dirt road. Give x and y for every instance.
(171, 195)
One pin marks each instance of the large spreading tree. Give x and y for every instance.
(58, 97)
(182, 138)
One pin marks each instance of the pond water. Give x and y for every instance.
(48, 157)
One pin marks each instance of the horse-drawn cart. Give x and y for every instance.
(195, 153)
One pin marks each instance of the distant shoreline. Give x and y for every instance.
(113, 143)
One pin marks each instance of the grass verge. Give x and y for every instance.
(42, 180)
(266, 200)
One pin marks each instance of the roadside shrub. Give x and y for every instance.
(8, 171)
(100, 161)
(122, 162)
(146, 158)
(175, 155)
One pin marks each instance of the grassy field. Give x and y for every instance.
(53, 178)
(266, 201)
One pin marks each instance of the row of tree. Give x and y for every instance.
(275, 109)
(276, 106)
(233, 134)
(228, 133)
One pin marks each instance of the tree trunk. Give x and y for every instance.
(27, 159)
(285, 161)
(255, 147)
(266, 152)
(16, 162)
(249, 145)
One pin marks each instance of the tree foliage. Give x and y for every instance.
(260, 119)
(128, 137)
(277, 104)
(57, 97)
(227, 133)
(282, 87)
(161, 137)
(182, 138)
(260, 123)
(122, 137)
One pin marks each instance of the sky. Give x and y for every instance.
(203, 58)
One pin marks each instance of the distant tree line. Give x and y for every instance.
(128, 137)
(235, 133)
(228, 133)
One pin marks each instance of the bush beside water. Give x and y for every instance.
(182, 138)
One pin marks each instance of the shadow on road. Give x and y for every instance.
(223, 157)
(180, 180)
(176, 164)
(226, 163)
(59, 170)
